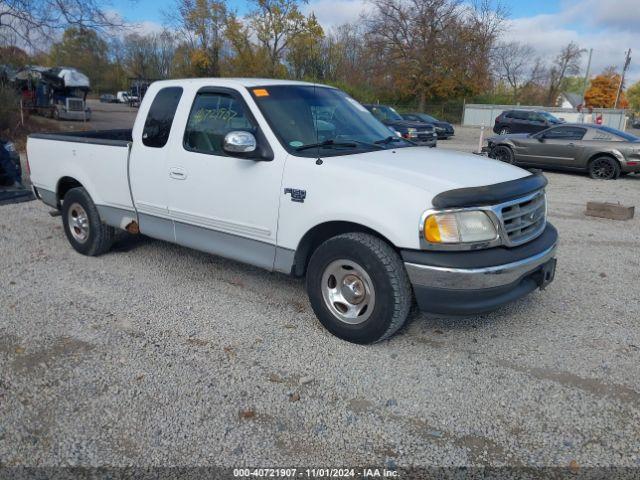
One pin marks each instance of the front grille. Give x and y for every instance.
(75, 105)
(524, 219)
(425, 136)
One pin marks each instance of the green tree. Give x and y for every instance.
(572, 84)
(276, 23)
(247, 58)
(633, 96)
(304, 55)
(83, 49)
(433, 48)
(200, 25)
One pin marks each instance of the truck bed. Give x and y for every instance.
(98, 160)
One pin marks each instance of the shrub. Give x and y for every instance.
(9, 108)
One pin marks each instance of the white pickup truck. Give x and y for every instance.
(299, 178)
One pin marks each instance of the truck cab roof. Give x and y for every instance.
(234, 82)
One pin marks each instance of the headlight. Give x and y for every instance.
(459, 227)
(10, 147)
(412, 133)
(439, 129)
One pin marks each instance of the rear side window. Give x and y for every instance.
(566, 133)
(160, 117)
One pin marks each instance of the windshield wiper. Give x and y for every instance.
(326, 144)
(368, 144)
(388, 140)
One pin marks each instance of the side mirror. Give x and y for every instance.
(540, 138)
(239, 141)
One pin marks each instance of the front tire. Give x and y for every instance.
(604, 168)
(82, 225)
(358, 288)
(503, 153)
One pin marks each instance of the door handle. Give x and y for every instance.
(177, 173)
(571, 144)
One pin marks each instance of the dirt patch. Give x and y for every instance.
(64, 348)
(589, 385)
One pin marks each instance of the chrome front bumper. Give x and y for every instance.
(476, 278)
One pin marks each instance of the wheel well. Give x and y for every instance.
(64, 185)
(319, 234)
(506, 145)
(603, 154)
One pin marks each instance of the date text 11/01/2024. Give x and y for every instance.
(315, 472)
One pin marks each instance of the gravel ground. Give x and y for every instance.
(466, 139)
(154, 354)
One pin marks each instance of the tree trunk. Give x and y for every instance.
(422, 101)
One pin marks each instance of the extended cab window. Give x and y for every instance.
(160, 117)
(212, 116)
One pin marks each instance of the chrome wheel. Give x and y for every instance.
(348, 291)
(78, 222)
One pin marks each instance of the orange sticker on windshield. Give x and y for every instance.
(260, 92)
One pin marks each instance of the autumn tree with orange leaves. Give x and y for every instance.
(603, 89)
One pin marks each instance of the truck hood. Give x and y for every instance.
(432, 170)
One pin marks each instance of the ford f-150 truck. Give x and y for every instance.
(300, 178)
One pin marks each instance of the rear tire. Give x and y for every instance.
(358, 288)
(82, 225)
(604, 168)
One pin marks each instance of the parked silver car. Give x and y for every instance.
(603, 152)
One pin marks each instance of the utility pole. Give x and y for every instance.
(627, 61)
(584, 86)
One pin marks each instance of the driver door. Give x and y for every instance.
(560, 146)
(223, 204)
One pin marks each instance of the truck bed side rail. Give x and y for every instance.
(116, 138)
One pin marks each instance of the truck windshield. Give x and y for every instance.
(311, 120)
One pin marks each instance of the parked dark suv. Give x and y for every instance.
(419, 132)
(444, 130)
(524, 121)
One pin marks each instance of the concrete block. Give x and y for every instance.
(614, 211)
